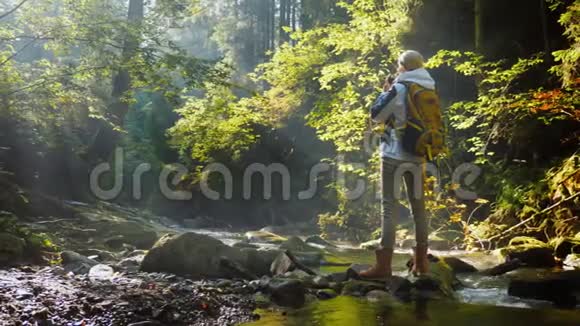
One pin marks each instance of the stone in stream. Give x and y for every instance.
(529, 256)
(399, 286)
(190, 254)
(11, 248)
(458, 266)
(201, 256)
(441, 281)
(282, 264)
(287, 293)
(561, 288)
(76, 263)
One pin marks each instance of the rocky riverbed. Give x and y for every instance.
(50, 296)
(125, 267)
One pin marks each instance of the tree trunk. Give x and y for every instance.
(283, 20)
(478, 37)
(545, 33)
(272, 24)
(106, 138)
(122, 82)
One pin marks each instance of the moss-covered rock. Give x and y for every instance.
(530, 255)
(11, 249)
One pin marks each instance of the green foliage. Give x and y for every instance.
(35, 242)
(215, 125)
(58, 60)
(568, 58)
(330, 76)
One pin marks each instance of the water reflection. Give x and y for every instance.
(349, 311)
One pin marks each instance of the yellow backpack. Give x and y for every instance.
(424, 132)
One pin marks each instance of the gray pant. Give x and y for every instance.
(392, 173)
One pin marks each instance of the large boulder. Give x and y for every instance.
(11, 248)
(560, 288)
(201, 256)
(190, 254)
(530, 256)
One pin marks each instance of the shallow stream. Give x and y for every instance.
(483, 301)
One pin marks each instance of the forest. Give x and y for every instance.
(199, 162)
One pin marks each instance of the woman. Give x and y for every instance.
(397, 164)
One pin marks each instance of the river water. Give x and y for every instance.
(483, 301)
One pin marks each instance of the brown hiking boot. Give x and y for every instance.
(420, 261)
(383, 267)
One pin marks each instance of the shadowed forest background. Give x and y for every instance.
(286, 81)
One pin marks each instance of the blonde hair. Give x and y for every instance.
(411, 60)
